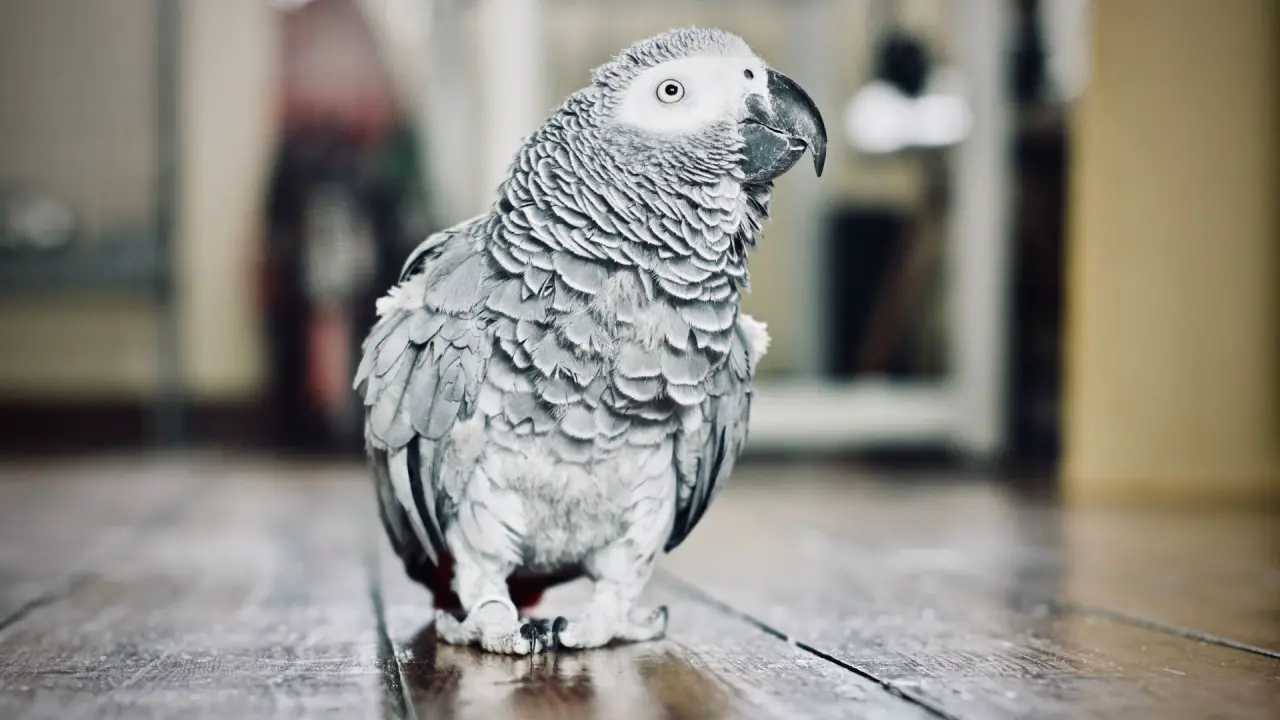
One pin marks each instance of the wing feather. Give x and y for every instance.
(420, 376)
(707, 447)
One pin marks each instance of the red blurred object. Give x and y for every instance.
(333, 72)
(526, 592)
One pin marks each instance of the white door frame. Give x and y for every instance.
(966, 410)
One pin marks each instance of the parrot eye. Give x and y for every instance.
(670, 91)
(748, 74)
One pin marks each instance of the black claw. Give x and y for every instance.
(531, 632)
(544, 634)
(557, 627)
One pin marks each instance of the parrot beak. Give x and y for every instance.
(779, 128)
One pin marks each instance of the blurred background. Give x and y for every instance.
(1046, 239)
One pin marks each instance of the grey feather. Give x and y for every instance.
(705, 454)
(561, 391)
(393, 347)
(424, 326)
(421, 392)
(636, 362)
(685, 368)
(519, 407)
(677, 289)
(585, 277)
(389, 419)
(638, 389)
(686, 394)
(579, 330)
(579, 423)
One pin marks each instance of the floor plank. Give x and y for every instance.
(251, 602)
(1213, 573)
(934, 589)
(712, 665)
(57, 520)
(1210, 574)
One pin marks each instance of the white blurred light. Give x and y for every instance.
(876, 118)
(941, 120)
(880, 119)
(35, 221)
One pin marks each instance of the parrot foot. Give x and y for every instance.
(491, 626)
(593, 631)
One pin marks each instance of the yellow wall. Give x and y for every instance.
(76, 81)
(1173, 376)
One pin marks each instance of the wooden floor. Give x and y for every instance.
(215, 587)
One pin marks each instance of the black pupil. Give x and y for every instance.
(671, 89)
(748, 74)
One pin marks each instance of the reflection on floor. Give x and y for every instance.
(217, 587)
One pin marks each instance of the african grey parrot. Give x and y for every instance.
(558, 387)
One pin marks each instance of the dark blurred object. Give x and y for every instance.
(346, 204)
(883, 265)
(902, 60)
(1029, 57)
(342, 217)
(862, 244)
(312, 161)
(1040, 166)
(1040, 177)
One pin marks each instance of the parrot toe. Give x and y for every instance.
(557, 627)
(583, 633)
(532, 632)
(593, 631)
(491, 629)
(645, 624)
(538, 631)
(451, 630)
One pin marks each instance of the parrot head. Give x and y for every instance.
(701, 100)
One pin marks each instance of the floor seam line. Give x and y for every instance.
(1143, 623)
(60, 590)
(396, 702)
(1121, 617)
(702, 596)
(80, 575)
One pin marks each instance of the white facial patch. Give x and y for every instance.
(715, 90)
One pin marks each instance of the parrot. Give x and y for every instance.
(559, 387)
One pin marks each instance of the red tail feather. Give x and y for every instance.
(526, 592)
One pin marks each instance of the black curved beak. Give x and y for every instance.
(779, 129)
